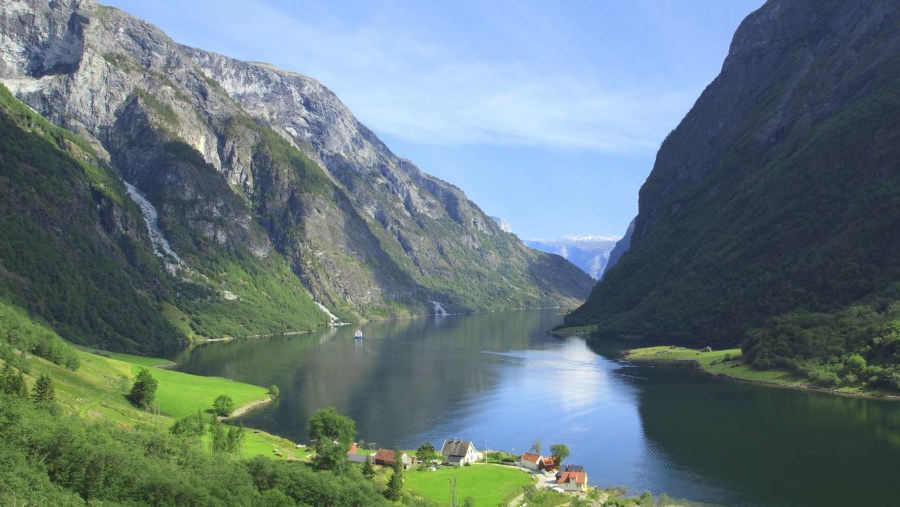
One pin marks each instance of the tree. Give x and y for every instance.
(219, 437)
(395, 484)
(559, 453)
(426, 452)
(536, 446)
(368, 470)
(12, 382)
(223, 405)
(331, 435)
(44, 393)
(235, 439)
(144, 389)
(274, 392)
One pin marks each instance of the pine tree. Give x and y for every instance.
(44, 393)
(12, 382)
(368, 470)
(395, 484)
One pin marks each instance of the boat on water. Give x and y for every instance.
(358, 334)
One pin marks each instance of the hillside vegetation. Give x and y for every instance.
(206, 197)
(85, 444)
(769, 220)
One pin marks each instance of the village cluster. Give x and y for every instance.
(458, 452)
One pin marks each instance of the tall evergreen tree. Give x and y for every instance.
(12, 382)
(395, 484)
(368, 470)
(44, 393)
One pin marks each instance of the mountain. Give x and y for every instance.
(502, 224)
(771, 214)
(590, 253)
(621, 247)
(226, 197)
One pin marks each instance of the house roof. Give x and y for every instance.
(358, 458)
(456, 447)
(385, 455)
(548, 462)
(570, 477)
(531, 457)
(569, 468)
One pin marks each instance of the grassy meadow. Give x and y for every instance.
(97, 391)
(486, 484)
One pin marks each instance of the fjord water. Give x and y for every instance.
(498, 379)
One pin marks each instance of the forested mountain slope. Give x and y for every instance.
(771, 215)
(238, 199)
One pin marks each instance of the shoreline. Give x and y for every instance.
(247, 407)
(698, 366)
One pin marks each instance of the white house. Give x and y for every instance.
(572, 478)
(458, 452)
(531, 461)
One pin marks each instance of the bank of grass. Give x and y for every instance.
(97, 391)
(182, 394)
(565, 332)
(728, 363)
(486, 484)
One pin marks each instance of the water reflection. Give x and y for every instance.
(499, 380)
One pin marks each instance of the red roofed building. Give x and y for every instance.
(530, 460)
(387, 457)
(547, 464)
(572, 481)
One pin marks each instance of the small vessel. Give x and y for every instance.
(358, 334)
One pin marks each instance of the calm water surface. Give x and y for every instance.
(499, 380)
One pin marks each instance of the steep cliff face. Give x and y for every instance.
(264, 189)
(778, 191)
(619, 249)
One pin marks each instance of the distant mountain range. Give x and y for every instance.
(590, 253)
(205, 196)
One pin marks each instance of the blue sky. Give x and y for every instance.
(546, 113)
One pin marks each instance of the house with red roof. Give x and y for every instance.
(387, 457)
(572, 478)
(531, 461)
(547, 464)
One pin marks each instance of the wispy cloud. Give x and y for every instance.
(417, 86)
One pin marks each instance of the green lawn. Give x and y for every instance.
(488, 485)
(97, 391)
(719, 362)
(181, 394)
(146, 362)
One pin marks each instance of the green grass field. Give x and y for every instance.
(97, 391)
(719, 362)
(486, 484)
(181, 394)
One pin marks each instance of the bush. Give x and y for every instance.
(223, 405)
(144, 389)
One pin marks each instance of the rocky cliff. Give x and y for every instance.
(251, 179)
(619, 250)
(778, 191)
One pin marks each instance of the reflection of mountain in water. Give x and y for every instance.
(777, 447)
(422, 370)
